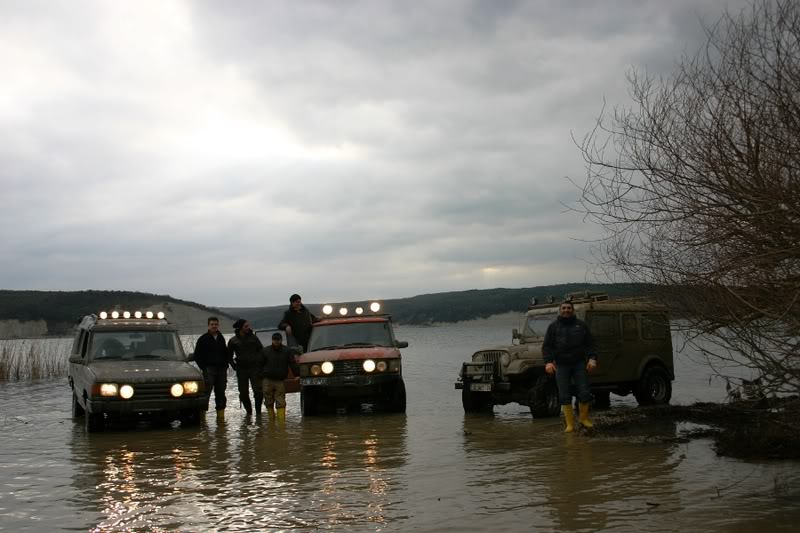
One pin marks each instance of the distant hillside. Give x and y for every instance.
(447, 306)
(35, 313)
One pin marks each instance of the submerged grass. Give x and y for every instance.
(33, 359)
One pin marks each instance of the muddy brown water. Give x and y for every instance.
(432, 469)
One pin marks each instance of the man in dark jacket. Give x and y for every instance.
(297, 322)
(245, 351)
(278, 359)
(211, 355)
(567, 344)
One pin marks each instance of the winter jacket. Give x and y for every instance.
(278, 362)
(301, 324)
(211, 352)
(245, 351)
(568, 341)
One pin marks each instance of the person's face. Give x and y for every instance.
(276, 343)
(297, 304)
(213, 327)
(566, 310)
(246, 329)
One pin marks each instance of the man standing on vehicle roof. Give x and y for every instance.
(297, 322)
(278, 359)
(567, 344)
(245, 350)
(211, 355)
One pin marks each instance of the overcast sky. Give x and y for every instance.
(233, 153)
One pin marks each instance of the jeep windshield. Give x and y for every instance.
(348, 335)
(129, 345)
(536, 326)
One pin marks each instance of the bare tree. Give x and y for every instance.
(697, 187)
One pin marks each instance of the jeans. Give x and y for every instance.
(217, 380)
(274, 392)
(576, 373)
(250, 378)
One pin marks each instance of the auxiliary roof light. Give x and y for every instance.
(149, 314)
(359, 310)
(343, 311)
(126, 314)
(103, 315)
(138, 314)
(327, 309)
(115, 314)
(161, 315)
(374, 307)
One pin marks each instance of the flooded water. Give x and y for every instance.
(432, 469)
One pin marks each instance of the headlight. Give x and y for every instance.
(316, 370)
(369, 365)
(176, 390)
(505, 359)
(108, 389)
(191, 387)
(394, 365)
(126, 391)
(381, 366)
(327, 367)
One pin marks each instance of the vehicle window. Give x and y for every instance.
(136, 345)
(354, 334)
(655, 326)
(536, 326)
(603, 324)
(630, 330)
(76, 346)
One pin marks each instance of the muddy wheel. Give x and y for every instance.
(543, 397)
(94, 422)
(397, 402)
(308, 402)
(654, 387)
(475, 402)
(601, 400)
(77, 410)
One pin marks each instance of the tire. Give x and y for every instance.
(192, 418)
(94, 422)
(397, 401)
(475, 402)
(654, 387)
(77, 410)
(601, 400)
(308, 402)
(543, 397)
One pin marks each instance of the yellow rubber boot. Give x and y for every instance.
(584, 415)
(220, 414)
(281, 414)
(271, 411)
(569, 418)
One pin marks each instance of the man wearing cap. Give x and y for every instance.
(245, 350)
(278, 359)
(297, 322)
(569, 353)
(213, 358)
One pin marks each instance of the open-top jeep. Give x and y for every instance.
(352, 359)
(126, 364)
(633, 343)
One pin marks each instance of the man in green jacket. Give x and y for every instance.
(278, 359)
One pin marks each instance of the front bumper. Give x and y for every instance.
(155, 405)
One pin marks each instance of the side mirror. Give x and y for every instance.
(515, 333)
(75, 359)
(190, 356)
(401, 344)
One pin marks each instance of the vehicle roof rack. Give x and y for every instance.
(586, 296)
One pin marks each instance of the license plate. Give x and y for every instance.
(315, 381)
(480, 387)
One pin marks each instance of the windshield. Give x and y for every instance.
(536, 326)
(354, 334)
(163, 345)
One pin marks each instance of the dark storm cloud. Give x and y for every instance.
(233, 153)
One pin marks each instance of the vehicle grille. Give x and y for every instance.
(490, 357)
(151, 391)
(347, 368)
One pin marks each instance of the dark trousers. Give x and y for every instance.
(250, 378)
(217, 380)
(576, 372)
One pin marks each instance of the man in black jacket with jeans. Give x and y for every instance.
(211, 355)
(297, 321)
(248, 361)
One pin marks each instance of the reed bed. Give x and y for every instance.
(33, 359)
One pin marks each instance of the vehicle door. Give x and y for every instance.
(78, 370)
(632, 349)
(604, 327)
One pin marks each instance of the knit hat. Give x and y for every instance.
(239, 323)
(276, 336)
(293, 298)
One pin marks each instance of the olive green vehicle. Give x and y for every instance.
(633, 344)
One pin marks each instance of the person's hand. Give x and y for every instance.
(591, 365)
(288, 330)
(550, 368)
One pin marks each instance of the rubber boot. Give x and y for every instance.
(584, 415)
(281, 414)
(220, 415)
(271, 411)
(569, 418)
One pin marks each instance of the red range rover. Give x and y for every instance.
(352, 359)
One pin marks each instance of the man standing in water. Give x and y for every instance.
(211, 355)
(297, 322)
(278, 359)
(567, 344)
(248, 361)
